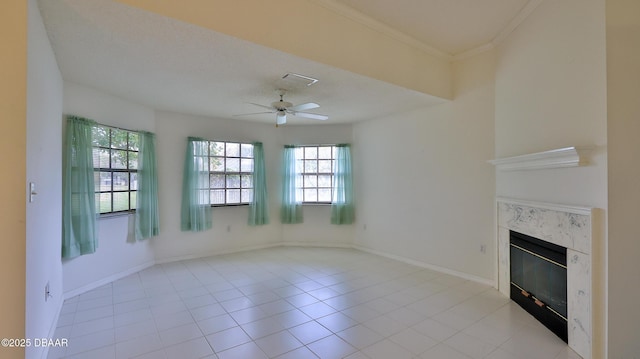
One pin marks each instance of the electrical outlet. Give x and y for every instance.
(364, 227)
(483, 248)
(228, 228)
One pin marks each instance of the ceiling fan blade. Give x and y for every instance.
(259, 105)
(304, 106)
(254, 113)
(312, 116)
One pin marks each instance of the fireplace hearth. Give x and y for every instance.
(538, 272)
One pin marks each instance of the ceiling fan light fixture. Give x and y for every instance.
(281, 117)
(282, 108)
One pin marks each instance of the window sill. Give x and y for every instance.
(116, 214)
(229, 205)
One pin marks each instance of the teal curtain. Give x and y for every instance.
(196, 201)
(79, 225)
(291, 210)
(258, 210)
(342, 208)
(147, 215)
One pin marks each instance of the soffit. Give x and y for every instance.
(175, 66)
(451, 26)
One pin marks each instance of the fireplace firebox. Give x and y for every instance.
(539, 280)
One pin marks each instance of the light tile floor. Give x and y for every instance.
(298, 303)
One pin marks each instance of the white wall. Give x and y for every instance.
(551, 93)
(316, 229)
(425, 191)
(623, 86)
(117, 254)
(230, 231)
(172, 132)
(44, 159)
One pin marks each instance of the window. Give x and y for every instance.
(115, 162)
(315, 165)
(231, 173)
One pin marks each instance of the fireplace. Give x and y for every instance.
(538, 272)
(569, 227)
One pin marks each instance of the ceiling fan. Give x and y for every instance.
(282, 108)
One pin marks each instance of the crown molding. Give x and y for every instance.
(562, 157)
(376, 25)
(473, 52)
(522, 15)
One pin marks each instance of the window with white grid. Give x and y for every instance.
(231, 173)
(315, 165)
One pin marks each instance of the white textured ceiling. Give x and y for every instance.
(174, 66)
(451, 26)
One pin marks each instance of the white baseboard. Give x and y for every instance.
(463, 275)
(216, 253)
(316, 244)
(52, 330)
(251, 248)
(114, 277)
(99, 283)
(109, 279)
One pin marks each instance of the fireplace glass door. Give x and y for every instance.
(539, 279)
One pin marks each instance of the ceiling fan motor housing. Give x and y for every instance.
(281, 105)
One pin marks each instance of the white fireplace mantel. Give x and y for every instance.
(566, 226)
(562, 157)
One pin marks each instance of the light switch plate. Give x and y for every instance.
(32, 191)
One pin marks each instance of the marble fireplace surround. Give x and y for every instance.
(567, 226)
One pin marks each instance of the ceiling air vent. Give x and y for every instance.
(298, 79)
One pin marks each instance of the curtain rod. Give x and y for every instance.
(109, 126)
(319, 145)
(121, 128)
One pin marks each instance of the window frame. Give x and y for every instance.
(240, 173)
(301, 190)
(131, 199)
